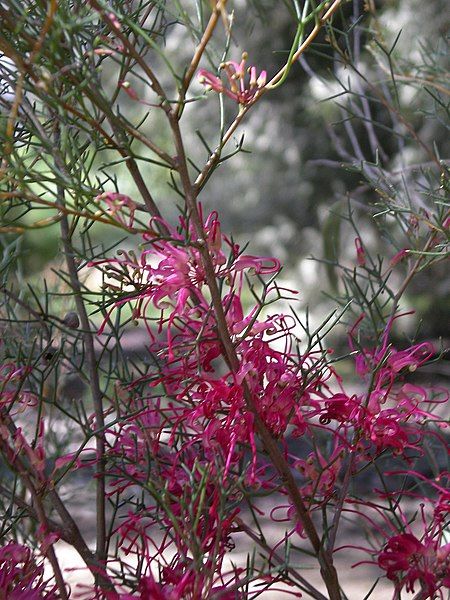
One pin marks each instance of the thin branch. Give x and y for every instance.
(68, 529)
(215, 156)
(94, 382)
(209, 30)
(155, 84)
(308, 41)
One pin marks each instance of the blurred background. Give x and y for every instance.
(322, 146)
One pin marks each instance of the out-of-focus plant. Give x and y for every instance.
(226, 412)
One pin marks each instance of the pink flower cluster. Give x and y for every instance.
(185, 434)
(415, 561)
(408, 560)
(391, 413)
(243, 83)
(21, 576)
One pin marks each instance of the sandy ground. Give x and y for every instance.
(356, 582)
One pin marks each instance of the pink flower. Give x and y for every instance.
(398, 257)
(406, 561)
(341, 407)
(360, 253)
(12, 390)
(392, 361)
(411, 358)
(385, 431)
(21, 577)
(239, 88)
(116, 203)
(401, 553)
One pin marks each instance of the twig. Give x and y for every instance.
(68, 528)
(308, 41)
(35, 313)
(15, 461)
(215, 156)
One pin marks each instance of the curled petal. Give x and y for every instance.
(261, 266)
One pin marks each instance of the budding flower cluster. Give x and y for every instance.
(243, 82)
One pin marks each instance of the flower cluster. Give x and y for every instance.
(184, 448)
(187, 429)
(187, 432)
(21, 576)
(390, 414)
(408, 560)
(242, 85)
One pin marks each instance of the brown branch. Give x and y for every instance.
(63, 210)
(97, 397)
(411, 274)
(209, 30)
(68, 528)
(213, 160)
(94, 385)
(328, 570)
(132, 166)
(421, 82)
(135, 173)
(14, 461)
(128, 128)
(155, 84)
(12, 117)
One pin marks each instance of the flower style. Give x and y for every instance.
(240, 88)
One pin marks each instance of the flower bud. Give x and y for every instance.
(70, 388)
(72, 320)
